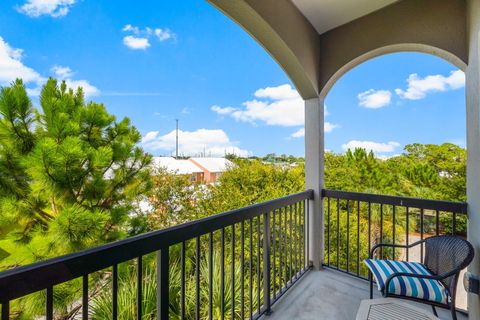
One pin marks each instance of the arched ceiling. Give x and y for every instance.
(316, 41)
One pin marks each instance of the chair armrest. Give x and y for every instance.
(390, 245)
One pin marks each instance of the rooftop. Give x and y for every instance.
(175, 165)
(213, 164)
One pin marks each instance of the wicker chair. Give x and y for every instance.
(445, 257)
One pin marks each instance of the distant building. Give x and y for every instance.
(202, 170)
(212, 167)
(180, 167)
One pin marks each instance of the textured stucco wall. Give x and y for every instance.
(432, 26)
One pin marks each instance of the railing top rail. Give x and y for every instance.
(440, 205)
(31, 278)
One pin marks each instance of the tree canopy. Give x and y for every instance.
(68, 173)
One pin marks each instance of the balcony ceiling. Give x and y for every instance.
(325, 15)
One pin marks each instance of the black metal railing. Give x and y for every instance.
(266, 245)
(355, 222)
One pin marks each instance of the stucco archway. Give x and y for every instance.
(395, 48)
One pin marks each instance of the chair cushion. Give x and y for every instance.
(426, 289)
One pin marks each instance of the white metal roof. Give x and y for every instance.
(213, 164)
(174, 165)
(325, 15)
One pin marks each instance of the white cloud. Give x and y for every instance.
(274, 106)
(139, 39)
(280, 106)
(62, 72)
(163, 34)
(282, 92)
(213, 142)
(136, 43)
(374, 99)
(376, 147)
(12, 67)
(222, 111)
(328, 127)
(418, 87)
(386, 157)
(53, 8)
(300, 133)
(66, 74)
(149, 136)
(129, 27)
(88, 89)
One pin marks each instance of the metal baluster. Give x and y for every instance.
(290, 244)
(295, 240)
(338, 233)
(232, 240)
(197, 277)
(369, 227)
(5, 310)
(163, 299)
(348, 236)
(280, 244)
(251, 266)
(381, 230)
(222, 274)
(182, 280)
(114, 292)
(307, 227)
(406, 230)
(393, 231)
(210, 276)
(84, 297)
(266, 263)
(437, 222)
(358, 238)
(421, 235)
(242, 266)
(302, 218)
(139, 288)
(274, 239)
(328, 231)
(49, 304)
(258, 265)
(285, 238)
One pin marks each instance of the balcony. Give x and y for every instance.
(241, 264)
(329, 294)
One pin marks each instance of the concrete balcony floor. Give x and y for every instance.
(329, 294)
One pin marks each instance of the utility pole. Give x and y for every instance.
(176, 142)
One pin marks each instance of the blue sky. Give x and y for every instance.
(166, 60)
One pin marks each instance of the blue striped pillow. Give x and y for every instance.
(426, 289)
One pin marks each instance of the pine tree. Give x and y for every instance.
(69, 173)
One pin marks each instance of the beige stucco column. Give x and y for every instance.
(472, 90)
(314, 176)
